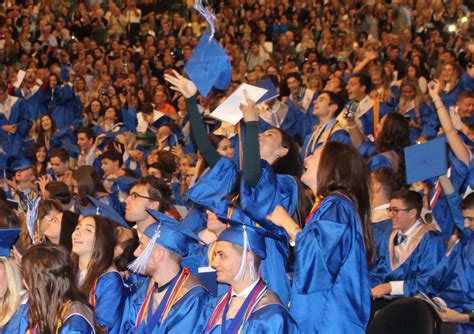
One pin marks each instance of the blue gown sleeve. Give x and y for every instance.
(213, 186)
(76, 324)
(272, 318)
(429, 121)
(378, 161)
(321, 247)
(110, 294)
(18, 324)
(366, 148)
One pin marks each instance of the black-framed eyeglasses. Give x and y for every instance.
(395, 211)
(135, 195)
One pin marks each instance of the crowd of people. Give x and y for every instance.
(126, 206)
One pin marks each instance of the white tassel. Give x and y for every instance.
(32, 215)
(208, 16)
(241, 273)
(253, 276)
(139, 265)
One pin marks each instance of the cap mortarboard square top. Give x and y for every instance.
(427, 160)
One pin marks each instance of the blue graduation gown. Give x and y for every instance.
(18, 324)
(415, 270)
(67, 108)
(381, 231)
(36, 104)
(258, 202)
(182, 318)
(13, 143)
(339, 135)
(330, 292)
(465, 82)
(367, 119)
(376, 161)
(110, 296)
(429, 122)
(268, 317)
(76, 324)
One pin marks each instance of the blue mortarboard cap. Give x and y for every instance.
(427, 160)
(123, 183)
(255, 236)
(129, 117)
(7, 239)
(19, 163)
(65, 73)
(209, 66)
(162, 121)
(271, 90)
(103, 210)
(173, 235)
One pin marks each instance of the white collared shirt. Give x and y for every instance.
(245, 292)
(379, 213)
(6, 106)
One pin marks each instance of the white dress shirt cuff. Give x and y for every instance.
(397, 288)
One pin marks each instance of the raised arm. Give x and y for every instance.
(455, 142)
(188, 90)
(251, 155)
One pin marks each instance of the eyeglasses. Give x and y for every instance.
(135, 195)
(395, 211)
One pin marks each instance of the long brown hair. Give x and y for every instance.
(49, 277)
(88, 183)
(102, 255)
(342, 169)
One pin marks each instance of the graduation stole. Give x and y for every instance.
(230, 210)
(92, 299)
(317, 204)
(32, 330)
(170, 298)
(239, 321)
(436, 193)
(376, 106)
(316, 136)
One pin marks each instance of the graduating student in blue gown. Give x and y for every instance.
(248, 306)
(65, 105)
(412, 250)
(330, 292)
(452, 279)
(14, 319)
(423, 120)
(35, 96)
(54, 302)
(453, 82)
(173, 300)
(12, 112)
(93, 242)
(327, 107)
(367, 111)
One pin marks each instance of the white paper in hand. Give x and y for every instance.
(19, 78)
(229, 110)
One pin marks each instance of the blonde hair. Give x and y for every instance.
(11, 300)
(457, 74)
(419, 98)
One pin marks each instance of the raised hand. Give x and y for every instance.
(180, 84)
(250, 110)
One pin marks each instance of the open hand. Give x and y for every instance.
(250, 110)
(180, 84)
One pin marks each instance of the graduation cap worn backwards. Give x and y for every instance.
(209, 66)
(8, 237)
(251, 238)
(103, 210)
(168, 233)
(427, 160)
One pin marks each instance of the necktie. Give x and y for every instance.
(400, 238)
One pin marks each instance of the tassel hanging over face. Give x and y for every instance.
(139, 265)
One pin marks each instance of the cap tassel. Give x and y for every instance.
(139, 265)
(241, 273)
(208, 16)
(32, 215)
